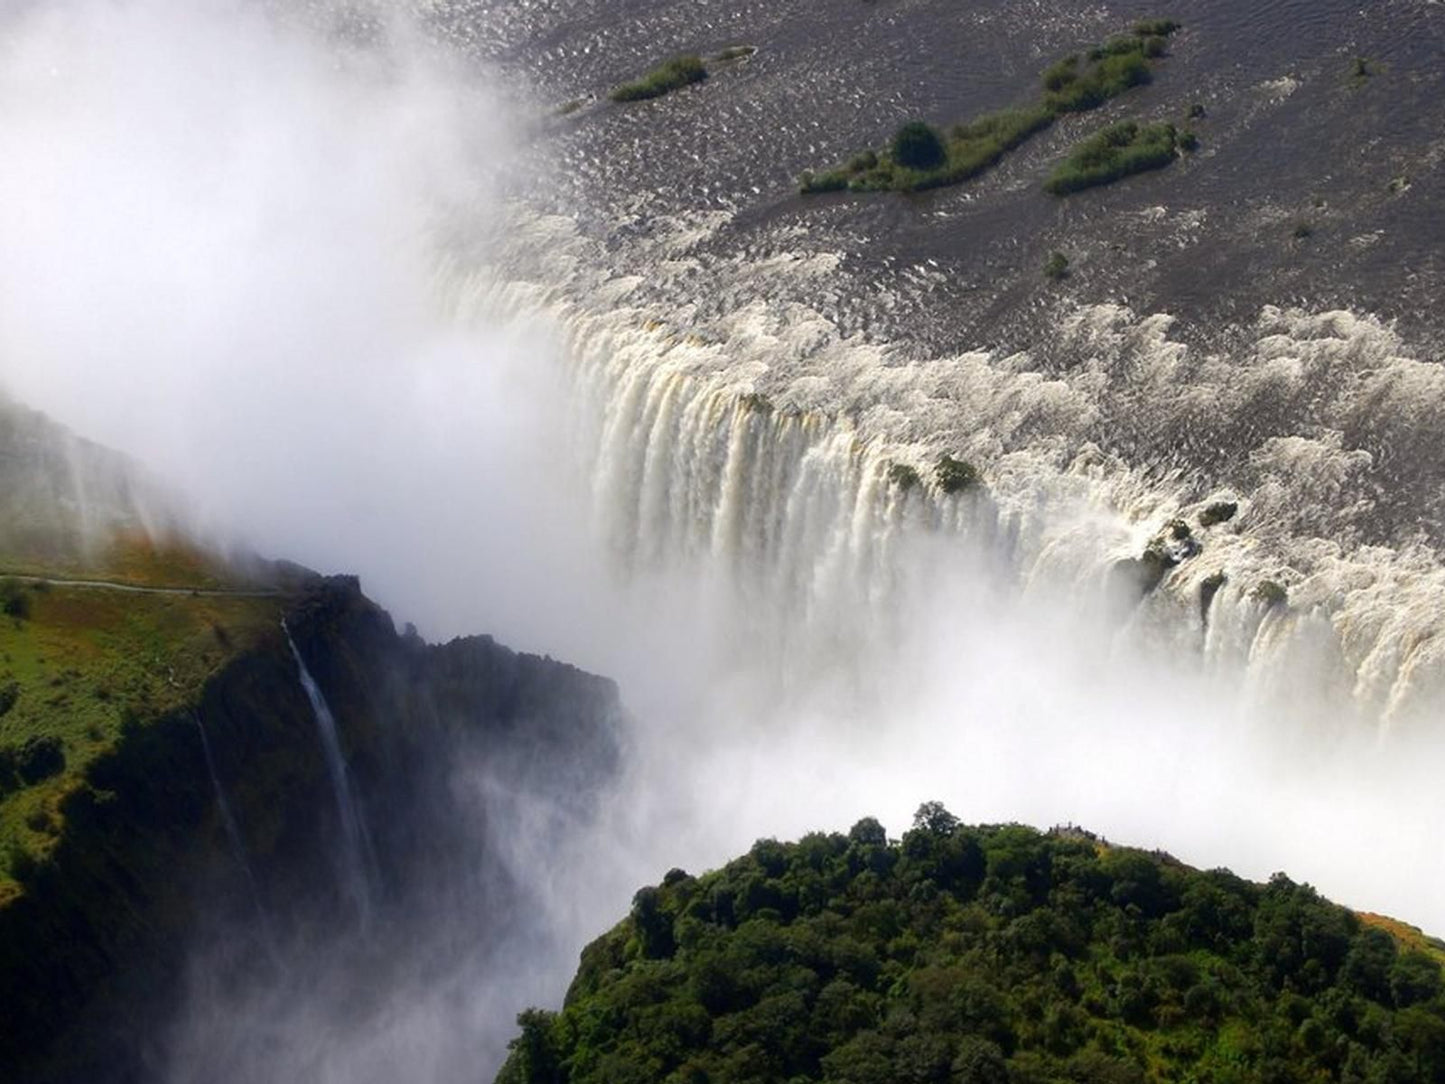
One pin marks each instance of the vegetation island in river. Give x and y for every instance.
(672, 75)
(920, 157)
(988, 955)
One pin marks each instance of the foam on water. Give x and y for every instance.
(757, 439)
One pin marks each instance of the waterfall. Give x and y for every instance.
(234, 837)
(355, 859)
(761, 446)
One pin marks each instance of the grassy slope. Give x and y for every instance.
(88, 660)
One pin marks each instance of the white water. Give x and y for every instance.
(355, 860)
(795, 501)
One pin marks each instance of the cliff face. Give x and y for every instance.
(222, 818)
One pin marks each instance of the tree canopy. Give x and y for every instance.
(988, 955)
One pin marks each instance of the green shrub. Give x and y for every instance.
(1061, 73)
(811, 183)
(955, 475)
(9, 694)
(1057, 266)
(1109, 77)
(1155, 28)
(903, 476)
(673, 75)
(975, 147)
(1117, 151)
(917, 146)
(39, 757)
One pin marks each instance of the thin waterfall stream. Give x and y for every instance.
(355, 858)
(234, 837)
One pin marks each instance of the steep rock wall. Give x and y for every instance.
(164, 841)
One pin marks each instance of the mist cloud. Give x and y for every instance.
(221, 234)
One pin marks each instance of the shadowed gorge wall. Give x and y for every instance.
(93, 954)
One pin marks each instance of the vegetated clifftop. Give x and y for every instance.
(988, 955)
(217, 806)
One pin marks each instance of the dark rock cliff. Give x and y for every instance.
(92, 955)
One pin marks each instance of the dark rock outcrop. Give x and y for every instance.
(92, 954)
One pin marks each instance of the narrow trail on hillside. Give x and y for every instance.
(140, 589)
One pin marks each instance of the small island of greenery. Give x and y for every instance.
(672, 75)
(1075, 84)
(1117, 151)
(988, 955)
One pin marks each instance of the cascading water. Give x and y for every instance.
(234, 837)
(355, 856)
(759, 445)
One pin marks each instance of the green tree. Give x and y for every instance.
(933, 817)
(918, 146)
(1415, 978)
(978, 1061)
(534, 1057)
(653, 923)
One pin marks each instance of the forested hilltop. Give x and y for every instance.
(988, 955)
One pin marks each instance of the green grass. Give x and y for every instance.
(1079, 87)
(1056, 267)
(1074, 84)
(672, 75)
(81, 667)
(1117, 151)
